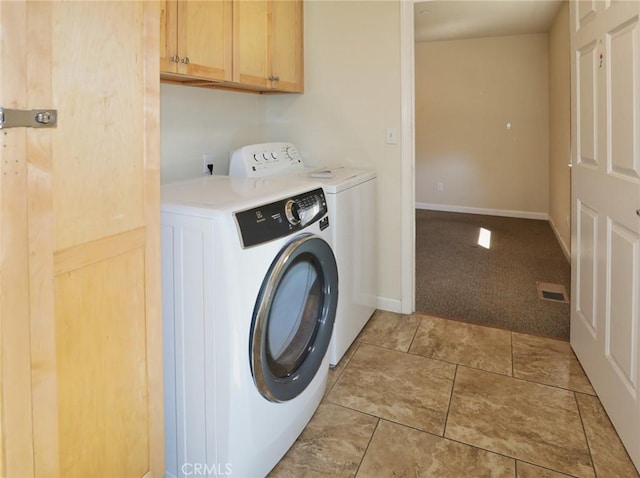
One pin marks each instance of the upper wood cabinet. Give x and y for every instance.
(253, 45)
(267, 44)
(195, 39)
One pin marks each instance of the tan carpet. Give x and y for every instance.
(457, 278)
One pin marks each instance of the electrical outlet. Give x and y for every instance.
(207, 159)
(440, 186)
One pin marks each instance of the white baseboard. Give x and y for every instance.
(478, 210)
(390, 305)
(566, 250)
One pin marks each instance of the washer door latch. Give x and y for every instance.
(10, 118)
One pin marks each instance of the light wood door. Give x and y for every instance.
(268, 44)
(605, 312)
(80, 319)
(195, 39)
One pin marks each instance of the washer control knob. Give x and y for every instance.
(292, 211)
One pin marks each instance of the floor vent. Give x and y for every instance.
(553, 292)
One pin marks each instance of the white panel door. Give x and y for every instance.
(605, 255)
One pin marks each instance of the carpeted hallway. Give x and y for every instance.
(496, 286)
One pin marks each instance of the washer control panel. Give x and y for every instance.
(264, 159)
(281, 218)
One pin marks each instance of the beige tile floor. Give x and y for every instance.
(419, 396)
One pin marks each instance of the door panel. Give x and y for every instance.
(586, 12)
(621, 321)
(605, 328)
(622, 52)
(99, 185)
(100, 332)
(586, 267)
(80, 331)
(587, 118)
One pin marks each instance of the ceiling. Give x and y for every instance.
(463, 19)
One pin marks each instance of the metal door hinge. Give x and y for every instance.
(28, 118)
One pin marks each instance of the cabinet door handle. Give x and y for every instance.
(185, 60)
(274, 78)
(175, 58)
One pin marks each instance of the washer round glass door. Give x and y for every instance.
(293, 318)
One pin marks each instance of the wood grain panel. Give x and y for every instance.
(168, 34)
(40, 190)
(153, 286)
(287, 57)
(82, 255)
(16, 441)
(99, 181)
(204, 36)
(80, 319)
(251, 66)
(102, 375)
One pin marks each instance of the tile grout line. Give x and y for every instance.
(446, 418)
(415, 332)
(584, 431)
(513, 367)
(357, 344)
(366, 449)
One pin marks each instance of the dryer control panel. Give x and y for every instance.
(281, 218)
(264, 159)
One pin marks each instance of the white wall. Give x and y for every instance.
(466, 93)
(352, 94)
(195, 121)
(560, 128)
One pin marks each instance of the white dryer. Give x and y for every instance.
(250, 289)
(351, 197)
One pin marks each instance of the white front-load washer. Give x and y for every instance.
(250, 289)
(351, 197)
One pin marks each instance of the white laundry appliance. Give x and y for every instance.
(250, 289)
(351, 197)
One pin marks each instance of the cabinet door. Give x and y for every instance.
(287, 46)
(80, 322)
(251, 52)
(168, 36)
(267, 44)
(196, 39)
